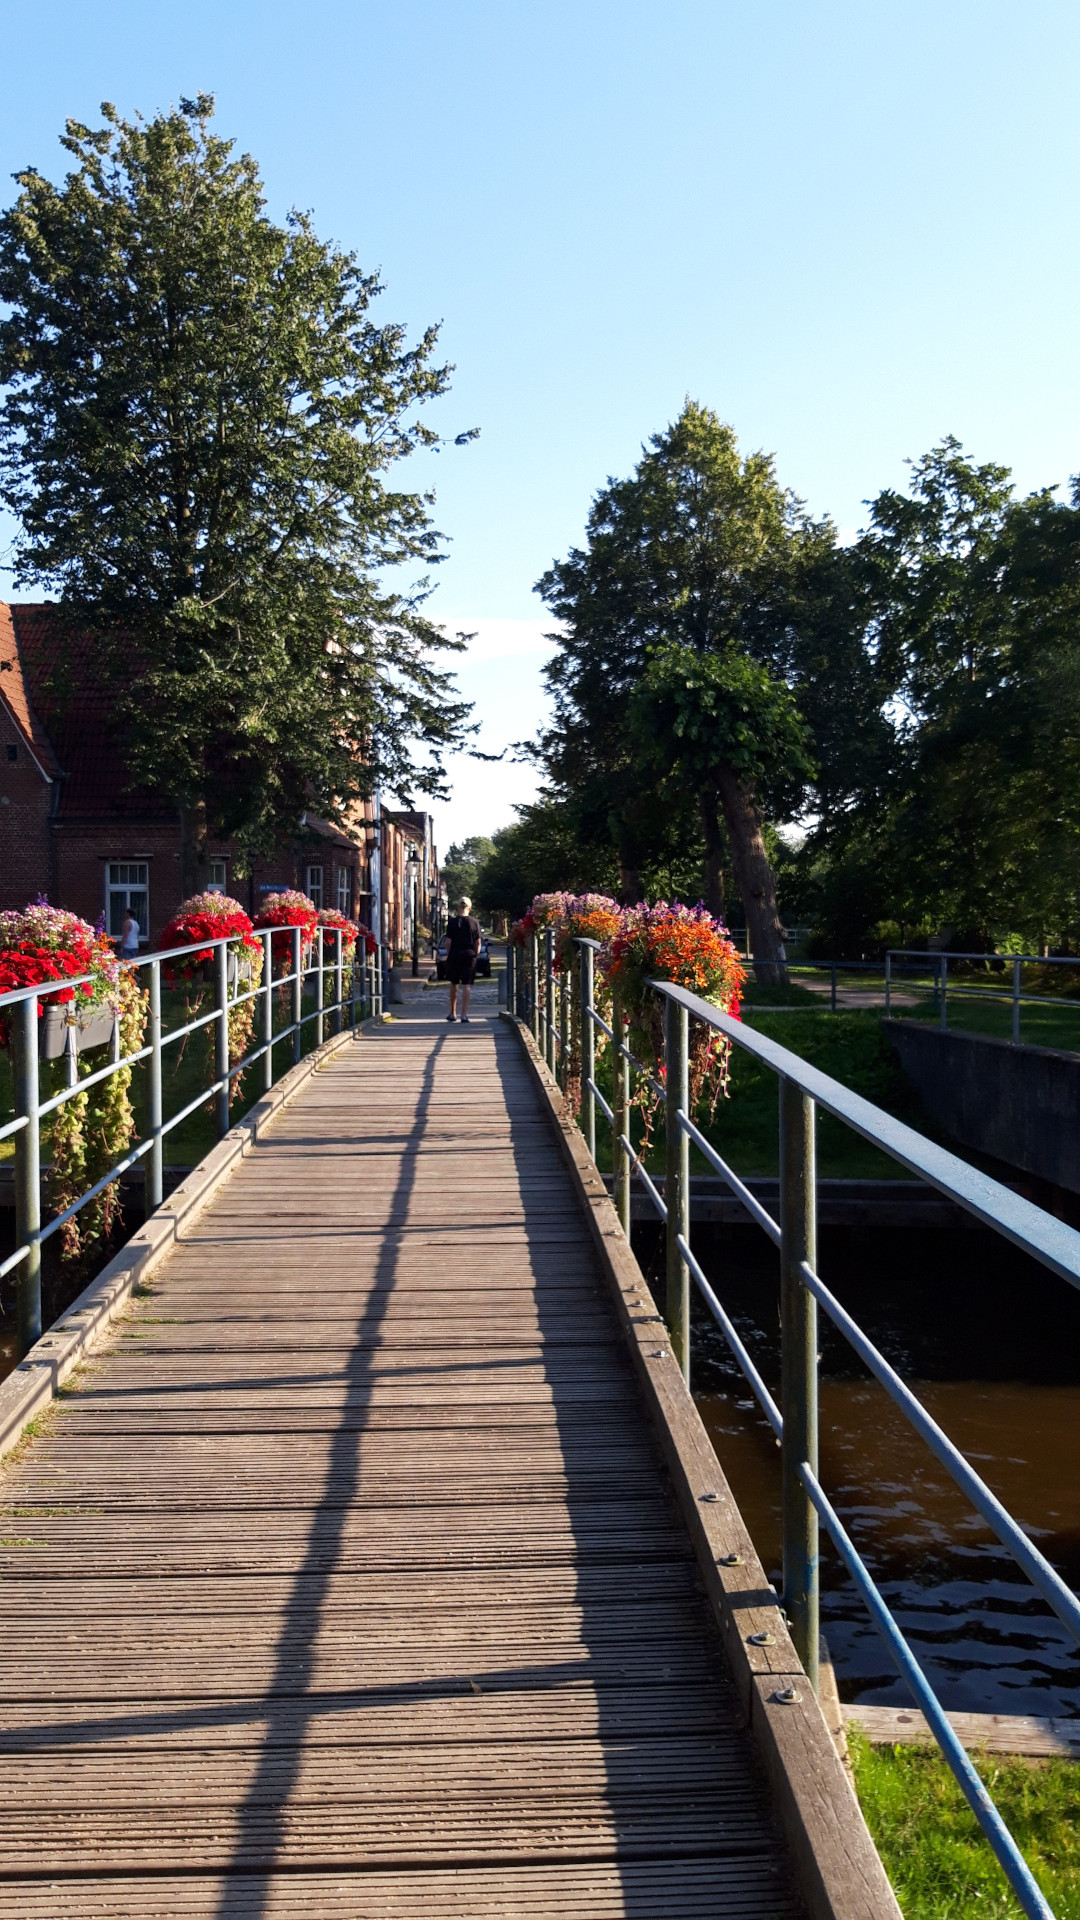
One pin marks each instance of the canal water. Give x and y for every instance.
(991, 1344)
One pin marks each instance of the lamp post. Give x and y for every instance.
(414, 869)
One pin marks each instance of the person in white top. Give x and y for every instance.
(129, 936)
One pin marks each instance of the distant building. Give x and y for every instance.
(408, 884)
(72, 828)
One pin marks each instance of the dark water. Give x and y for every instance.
(991, 1344)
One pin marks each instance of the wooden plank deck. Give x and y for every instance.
(347, 1581)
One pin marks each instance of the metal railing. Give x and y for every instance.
(937, 966)
(917, 969)
(535, 993)
(356, 989)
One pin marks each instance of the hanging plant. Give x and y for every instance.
(687, 946)
(284, 910)
(334, 922)
(93, 1130)
(215, 916)
(589, 916)
(39, 943)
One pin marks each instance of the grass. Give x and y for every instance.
(851, 1047)
(1040, 1026)
(934, 1851)
(755, 995)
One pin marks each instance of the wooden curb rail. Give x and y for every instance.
(840, 1872)
(34, 1382)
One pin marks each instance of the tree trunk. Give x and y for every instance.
(753, 877)
(714, 854)
(631, 891)
(194, 860)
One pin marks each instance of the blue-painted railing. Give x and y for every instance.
(560, 1011)
(355, 988)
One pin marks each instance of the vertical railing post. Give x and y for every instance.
(564, 1028)
(297, 992)
(155, 1171)
(71, 1052)
(888, 986)
(511, 982)
(550, 1050)
(620, 1107)
(677, 1181)
(221, 1035)
(24, 1033)
(268, 1011)
(534, 986)
(320, 990)
(1016, 1003)
(588, 1051)
(798, 1371)
(943, 970)
(339, 983)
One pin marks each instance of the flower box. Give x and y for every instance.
(238, 972)
(91, 1030)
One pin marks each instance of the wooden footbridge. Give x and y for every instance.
(375, 1564)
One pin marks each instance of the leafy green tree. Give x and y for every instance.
(973, 608)
(463, 864)
(197, 425)
(699, 556)
(543, 852)
(728, 728)
(978, 596)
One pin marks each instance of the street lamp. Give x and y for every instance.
(414, 869)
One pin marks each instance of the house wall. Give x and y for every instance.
(25, 803)
(67, 859)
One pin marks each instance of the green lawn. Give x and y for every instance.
(933, 1849)
(850, 1047)
(1040, 1026)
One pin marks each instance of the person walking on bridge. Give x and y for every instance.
(462, 954)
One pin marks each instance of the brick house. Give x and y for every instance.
(405, 832)
(73, 829)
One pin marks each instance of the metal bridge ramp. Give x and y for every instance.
(346, 1580)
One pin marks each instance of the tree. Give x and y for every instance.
(463, 864)
(730, 729)
(198, 419)
(699, 556)
(971, 826)
(543, 852)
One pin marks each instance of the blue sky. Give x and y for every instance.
(850, 228)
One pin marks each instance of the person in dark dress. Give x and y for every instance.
(462, 954)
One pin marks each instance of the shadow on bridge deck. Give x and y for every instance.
(349, 1581)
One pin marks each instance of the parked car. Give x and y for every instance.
(483, 964)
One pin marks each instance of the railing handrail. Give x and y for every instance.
(802, 1088)
(311, 958)
(997, 1206)
(14, 994)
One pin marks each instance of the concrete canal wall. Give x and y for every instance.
(1021, 1104)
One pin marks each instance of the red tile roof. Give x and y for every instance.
(64, 698)
(15, 695)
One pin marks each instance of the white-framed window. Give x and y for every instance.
(314, 888)
(344, 891)
(219, 875)
(127, 890)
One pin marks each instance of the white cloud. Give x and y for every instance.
(499, 639)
